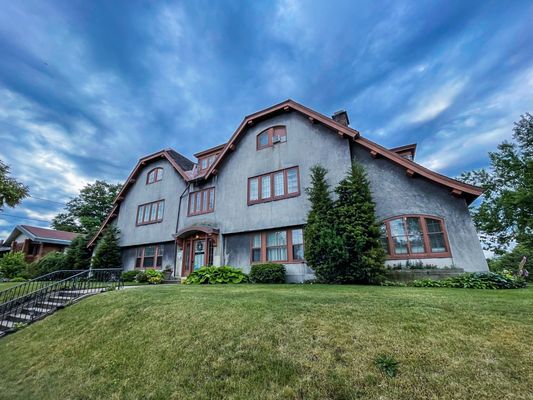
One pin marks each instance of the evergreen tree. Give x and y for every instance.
(107, 253)
(78, 255)
(323, 249)
(356, 225)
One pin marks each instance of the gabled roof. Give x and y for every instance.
(38, 234)
(187, 169)
(406, 148)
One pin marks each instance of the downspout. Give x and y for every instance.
(178, 224)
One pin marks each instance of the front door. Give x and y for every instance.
(199, 254)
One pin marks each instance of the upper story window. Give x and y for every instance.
(149, 256)
(285, 245)
(269, 137)
(414, 236)
(274, 186)
(150, 213)
(154, 175)
(202, 201)
(205, 162)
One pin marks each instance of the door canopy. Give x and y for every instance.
(198, 232)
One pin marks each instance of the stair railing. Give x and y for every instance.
(61, 287)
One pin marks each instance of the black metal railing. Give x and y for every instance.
(31, 300)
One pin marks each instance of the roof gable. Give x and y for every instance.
(39, 234)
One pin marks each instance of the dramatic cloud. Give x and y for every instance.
(86, 88)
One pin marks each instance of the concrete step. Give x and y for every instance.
(19, 317)
(6, 325)
(37, 310)
(50, 304)
(60, 298)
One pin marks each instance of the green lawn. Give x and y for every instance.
(276, 342)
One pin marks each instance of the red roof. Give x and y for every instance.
(50, 233)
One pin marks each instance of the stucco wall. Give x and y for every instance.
(129, 256)
(307, 144)
(395, 194)
(237, 254)
(168, 189)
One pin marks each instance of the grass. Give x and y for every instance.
(277, 342)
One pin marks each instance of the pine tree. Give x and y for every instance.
(323, 249)
(356, 225)
(78, 255)
(107, 253)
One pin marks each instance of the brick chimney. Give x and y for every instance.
(341, 117)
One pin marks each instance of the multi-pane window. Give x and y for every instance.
(202, 201)
(269, 137)
(274, 186)
(154, 175)
(284, 245)
(149, 256)
(414, 237)
(151, 212)
(207, 161)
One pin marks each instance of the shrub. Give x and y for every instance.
(510, 261)
(12, 265)
(129, 276)
(213, 275)
(267, 273)
(107, 253)
(149, 275)
(51, 262)
(18, 279)
(477, 280)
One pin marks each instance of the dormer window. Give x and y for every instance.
(269, 137)
(154, 175)
(205, 162)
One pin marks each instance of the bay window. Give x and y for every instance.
(201, 201)
(414, 236)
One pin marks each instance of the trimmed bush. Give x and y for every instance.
(477, 280)
(12, 265)
(267, 273)
(129, 276)
(215, 275)
(149, 275)
(51, 262)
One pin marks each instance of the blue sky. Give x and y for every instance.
(88, 87)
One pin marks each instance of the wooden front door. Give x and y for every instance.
(197, 252)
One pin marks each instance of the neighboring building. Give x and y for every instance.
(244, 202)
(35, 242)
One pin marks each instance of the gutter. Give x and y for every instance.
(178, 224)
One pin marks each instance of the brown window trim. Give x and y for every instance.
(211, 192)
(287, 195)
(155, 256)
(270, 132)
(157, 220)
(207, 157)
(290, 255)
(428, 254)
(156, 170)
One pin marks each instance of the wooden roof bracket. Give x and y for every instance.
(373, 154)
(410, 173)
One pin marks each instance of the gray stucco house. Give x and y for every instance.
(244, 202)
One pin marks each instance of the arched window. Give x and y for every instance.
(415, 236)
(269, 137)
(154, 175)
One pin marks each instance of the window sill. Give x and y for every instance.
(417, 256)
(271, 199)
(200, 213)
(149, 223)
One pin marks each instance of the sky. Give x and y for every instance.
(89, 87)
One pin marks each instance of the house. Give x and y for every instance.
(244, 201)
(35, 242)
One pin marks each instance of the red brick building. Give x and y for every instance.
(35, 242)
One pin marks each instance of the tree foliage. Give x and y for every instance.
(86, 212)
(505, 216)
(356, 223)
(107, 253)
(51, 262)
(12, 192)
(78, 256)
(12, 265)
(342, 237)
(323, 248)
